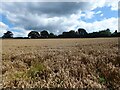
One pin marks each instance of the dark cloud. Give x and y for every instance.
(47, 8)
(41, 15)
(56, 8)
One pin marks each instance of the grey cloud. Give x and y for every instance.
(57, 9)
(38, 15)
(48, 8)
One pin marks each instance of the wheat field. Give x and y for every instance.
(61, 63)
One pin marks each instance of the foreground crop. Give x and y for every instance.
(68, 63)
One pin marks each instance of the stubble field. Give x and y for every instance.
(64, 63)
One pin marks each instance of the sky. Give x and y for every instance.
(57, 17)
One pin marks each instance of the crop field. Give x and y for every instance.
(61, 63)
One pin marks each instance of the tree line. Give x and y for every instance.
(80, 33)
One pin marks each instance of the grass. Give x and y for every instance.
(36, 70)
(65, 63)
(102, 80)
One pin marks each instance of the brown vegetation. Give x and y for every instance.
(65, 63)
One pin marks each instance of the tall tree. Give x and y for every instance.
(44, 34)
(82, 32)
(115, 33)
(8, 34)
(33, 34)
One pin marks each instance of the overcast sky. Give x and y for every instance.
(56, 17)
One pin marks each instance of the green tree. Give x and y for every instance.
(105, 33)
(51, 35)
(115, 33)
(82, 32)
(33, 34)
(8, 34)
(44, 34)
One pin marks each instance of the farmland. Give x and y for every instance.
(65, 63)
